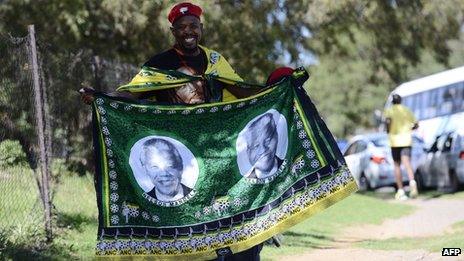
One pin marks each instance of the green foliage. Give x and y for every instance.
(398, 31)
(11, 153)
(252, 34)
(59, 168)
(361, 50)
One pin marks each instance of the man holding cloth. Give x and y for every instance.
(188, 58)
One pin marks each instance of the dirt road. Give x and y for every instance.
(432, 217)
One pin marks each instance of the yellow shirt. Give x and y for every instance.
(401, 122)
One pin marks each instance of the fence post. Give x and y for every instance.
(40, 117)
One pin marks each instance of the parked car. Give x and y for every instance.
(369, 159)
(443, 164)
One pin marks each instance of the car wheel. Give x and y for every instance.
(454, 182)
(363, 183)
(419, 181)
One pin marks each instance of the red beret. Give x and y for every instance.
(183, 9)
(278, 74)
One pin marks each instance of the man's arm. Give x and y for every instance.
(388, 124)
(241, 92)
(413, 120)
(274, 77)
(87, 95)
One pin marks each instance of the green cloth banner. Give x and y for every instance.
(197, 181)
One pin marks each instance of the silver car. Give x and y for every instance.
(443, 165)
(369, 159)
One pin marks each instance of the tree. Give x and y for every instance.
(398, 31)
(363, 48)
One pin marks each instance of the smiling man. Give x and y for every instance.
(186, 56)
(189, 57)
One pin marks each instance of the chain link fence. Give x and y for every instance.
(21, 209)
(45, 134)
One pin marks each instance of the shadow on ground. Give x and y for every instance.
(34, 247)
(387, 193)
(73, 221)
(307, 240)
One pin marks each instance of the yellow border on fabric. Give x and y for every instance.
(298, 217)
(104, 173)
(143, 87)
(311, 134)
(294, 219)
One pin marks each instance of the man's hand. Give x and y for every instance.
(87, 94)
(388, 124)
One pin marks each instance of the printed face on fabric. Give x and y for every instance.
(262, 146)
(165, 170)
(187, 30)
(193, 92)
(163, 164)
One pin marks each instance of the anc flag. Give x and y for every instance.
(197, 181)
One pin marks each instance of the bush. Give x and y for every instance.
(11, 154)
(60, 168)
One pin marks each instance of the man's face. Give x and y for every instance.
(262, 146)
(188, 31)
(161, 169)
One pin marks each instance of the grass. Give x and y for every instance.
(320, 230)
(21, 202)
(21, 215)
(75, 221)
(22, 235)
(431, 244)
(76, 208)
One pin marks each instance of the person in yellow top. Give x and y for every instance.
(400, 123)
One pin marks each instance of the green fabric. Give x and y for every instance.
(223, 208)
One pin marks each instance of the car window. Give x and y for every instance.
(362, 145)
(351, 149)
(459, 143)
(441, 142)
(381, 142)
(448, 143)
(433, 148)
